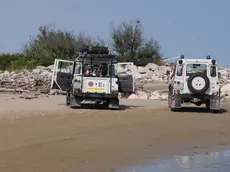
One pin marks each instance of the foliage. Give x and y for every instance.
(129, 42)
(50, 43)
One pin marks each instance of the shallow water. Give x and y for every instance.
(208, 162)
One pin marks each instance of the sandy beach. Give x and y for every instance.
(43, 134)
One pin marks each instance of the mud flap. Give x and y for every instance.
(214, 104)
(74, 102)
(176, 103)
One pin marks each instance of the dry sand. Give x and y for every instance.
(43, 135)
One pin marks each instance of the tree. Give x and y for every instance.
(128, 41)
(149, 52)
(51, 43)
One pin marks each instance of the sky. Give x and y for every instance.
(195, 28)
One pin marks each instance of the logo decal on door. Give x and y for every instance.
(101, 84)
(90, 83)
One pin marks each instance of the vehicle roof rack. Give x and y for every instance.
(109, 56)
(95, 52)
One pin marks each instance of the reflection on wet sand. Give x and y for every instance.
(208, 162)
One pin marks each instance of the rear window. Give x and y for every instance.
(196, 68)
(213, 72)
(179, 70)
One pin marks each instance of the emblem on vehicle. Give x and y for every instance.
(101, 84)
(90, 83)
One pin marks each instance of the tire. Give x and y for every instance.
(215, 111)
(113, 103)
(206, 83)
(174, 109)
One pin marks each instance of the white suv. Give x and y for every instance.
(195, 81)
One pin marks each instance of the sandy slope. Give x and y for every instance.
(44, 135)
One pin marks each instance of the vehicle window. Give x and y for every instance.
(104, 69)
(196, 68)
(65, 67)
(174, 71)
(179, 70)
(96, 70)
(77, 68)
(112, 70)
(213, 71)
(87, 70)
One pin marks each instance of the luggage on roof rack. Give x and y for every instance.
(95, 50)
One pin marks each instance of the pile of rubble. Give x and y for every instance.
(225, 76)
(37, 81)
(151, 81)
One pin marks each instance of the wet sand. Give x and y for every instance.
(44, 135)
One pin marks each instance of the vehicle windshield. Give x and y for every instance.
(196, 68)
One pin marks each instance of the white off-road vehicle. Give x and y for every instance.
(195, 81)
(91, 79)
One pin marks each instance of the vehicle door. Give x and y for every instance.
(62, 74)
(125, 77)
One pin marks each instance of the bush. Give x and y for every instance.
(51, 43)
(7, 59)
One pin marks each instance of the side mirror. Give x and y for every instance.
(219, 75)
(168, 72)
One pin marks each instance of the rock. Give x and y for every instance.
(51, 68)
(38, 80)
(133, 96)
(155, 95)
(223, 94)
(164, 97)
(28, 97)
(151, 66)
(142, 70)
(226, 99)
(150, 81)
(226, 89)
(137, 75)
(36, 71)
(143, 96)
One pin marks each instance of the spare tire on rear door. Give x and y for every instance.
(198, 83)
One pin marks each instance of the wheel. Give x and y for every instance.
(174, 109)
(215, 111)
(113, 103)
(198, 104)
(198, 83)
